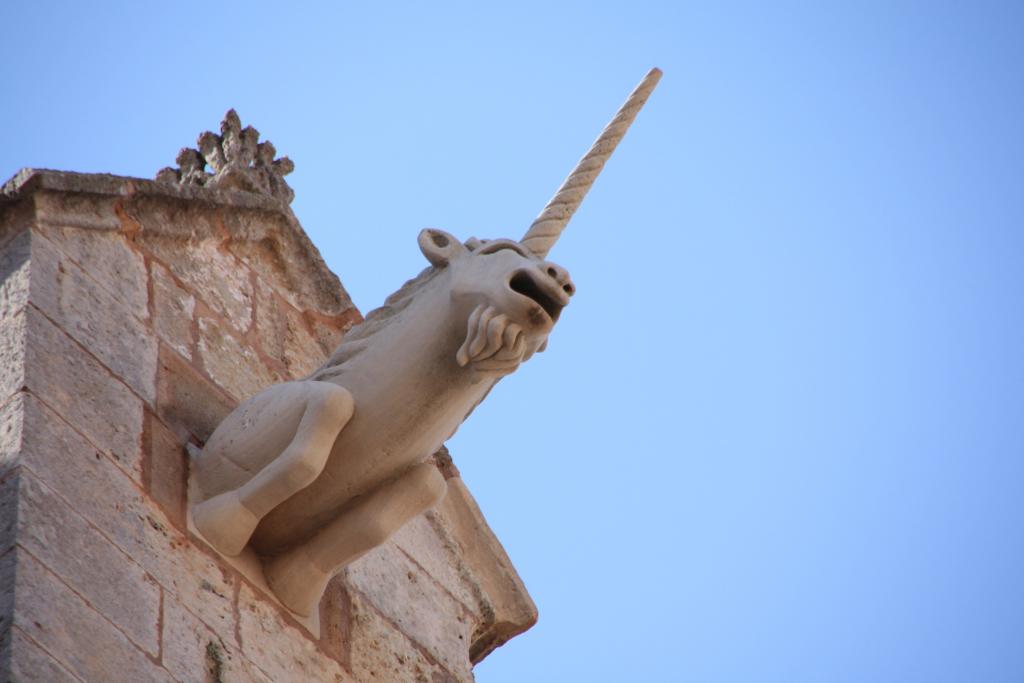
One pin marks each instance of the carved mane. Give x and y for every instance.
(358, 338)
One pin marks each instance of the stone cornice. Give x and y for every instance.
(133, 195)
(29, 180)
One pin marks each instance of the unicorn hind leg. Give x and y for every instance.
(270, 448)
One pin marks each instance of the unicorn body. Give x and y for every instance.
(313, 473)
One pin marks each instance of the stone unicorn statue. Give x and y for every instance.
(309, 475)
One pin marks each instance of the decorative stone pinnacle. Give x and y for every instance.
(237, 161)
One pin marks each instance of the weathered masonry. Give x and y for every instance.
(134, 315)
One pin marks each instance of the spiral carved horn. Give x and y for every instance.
(546, 228)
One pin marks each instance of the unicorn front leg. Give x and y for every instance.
(299, 576)
(271, 447)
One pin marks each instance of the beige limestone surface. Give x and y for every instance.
(199, 290)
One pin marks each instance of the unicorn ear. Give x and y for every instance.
(439, 247)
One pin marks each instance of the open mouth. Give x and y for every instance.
(524, 283)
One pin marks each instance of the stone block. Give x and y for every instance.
(233, 365)
(186, 401)
(173, 310)
(10, 484)
(329, 331)
(271, 321)
(83, 392)
(45, 272)
(381, 653)
(192, 653)
(422, 540)
(12, 422)
(170, 220)
(165, 470)
(77, 210)
(108, 260)
(212, 274)
(94, 318)
(15, 275)
(191, 577)
(294, 656)
(15, 218)
(335, 631)
(28, 182)
(13, 332)
(22, 661)
(90, 565)
(101, 493)
(52, 615)
(416, 605)
(284, 334)
(510, 610)
(278, 250)
(8, 574)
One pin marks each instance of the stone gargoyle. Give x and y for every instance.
(309, 475)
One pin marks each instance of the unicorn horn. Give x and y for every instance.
(546, 228)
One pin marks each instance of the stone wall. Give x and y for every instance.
(133, 316)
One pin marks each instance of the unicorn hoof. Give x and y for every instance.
(225, 523)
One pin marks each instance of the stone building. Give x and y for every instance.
(134, 315)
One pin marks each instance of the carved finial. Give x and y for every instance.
(236, 160)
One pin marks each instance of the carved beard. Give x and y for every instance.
(494, 344)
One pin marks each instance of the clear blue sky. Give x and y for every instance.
(779, 434)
